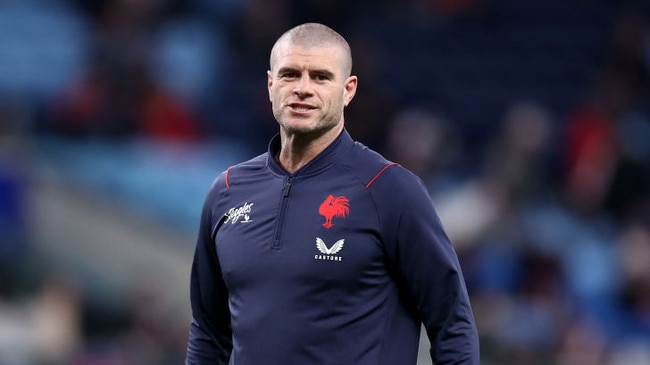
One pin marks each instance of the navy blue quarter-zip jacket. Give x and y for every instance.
(338, 263)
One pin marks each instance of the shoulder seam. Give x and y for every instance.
(379, 173)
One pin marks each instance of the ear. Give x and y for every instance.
(350, 89)
(269, 82)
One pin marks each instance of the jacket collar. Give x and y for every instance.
(322, 161)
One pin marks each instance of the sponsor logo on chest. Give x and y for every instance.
(243, 212)
(329, 253)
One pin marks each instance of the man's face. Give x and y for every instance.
(308, 88)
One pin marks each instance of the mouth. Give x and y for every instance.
(301, 107)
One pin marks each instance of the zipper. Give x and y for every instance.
(283, 208)
(287, 187)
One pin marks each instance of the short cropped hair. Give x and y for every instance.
(310, 35)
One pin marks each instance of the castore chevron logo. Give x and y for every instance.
(329, 253)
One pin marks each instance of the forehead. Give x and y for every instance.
(292, 55)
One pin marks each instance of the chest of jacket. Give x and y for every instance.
(302, 233)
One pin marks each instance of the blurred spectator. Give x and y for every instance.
(427, 144)
(512, 173)
(521, 155)
(118, 95)
(628, 193)
(590, 147)
(582, 344)
(634, 256)
(604, 163)
(43, 328)
(116, 100)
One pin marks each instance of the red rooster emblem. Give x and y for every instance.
(334, 207)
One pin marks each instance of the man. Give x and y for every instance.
(320, 251)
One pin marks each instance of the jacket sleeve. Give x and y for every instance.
(210, 335)
(429, 273)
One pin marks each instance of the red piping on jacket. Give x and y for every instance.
(379, 173)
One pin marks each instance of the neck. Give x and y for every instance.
(298, 150)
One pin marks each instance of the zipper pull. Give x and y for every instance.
(287, 187)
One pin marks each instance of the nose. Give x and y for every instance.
(303, 86)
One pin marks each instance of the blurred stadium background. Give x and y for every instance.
(528, 120)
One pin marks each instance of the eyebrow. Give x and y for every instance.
(322, 72)
(325, 73)
(287, 69)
